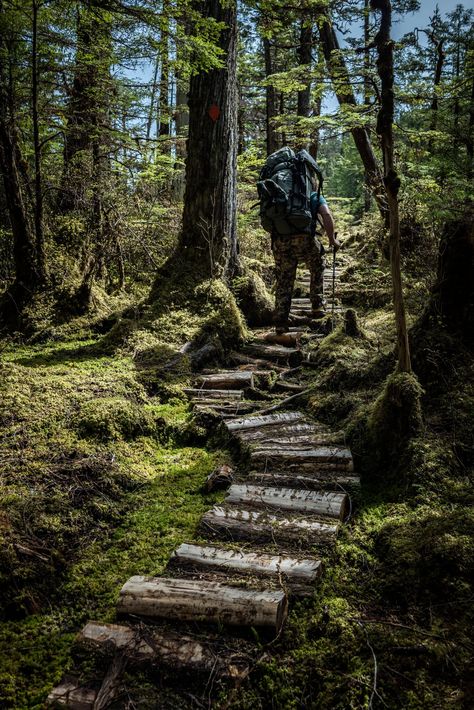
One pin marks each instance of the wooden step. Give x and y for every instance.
(265, 420)
(193, 600)
(329, 457)
(214, 394)
(280, 428)
(288, 340)
(72, 693)
(294, 570)
(149, 644)
(231, 408)
(254, 363)
(240, 524)
(295, 500)
(227, 380)
(276, 353)
(326, 480)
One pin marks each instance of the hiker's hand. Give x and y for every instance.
(335, 244)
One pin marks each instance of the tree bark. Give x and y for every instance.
(304, 61)
(209, 234)
(270, 100)
(391, 180)
(163, 103)
(39, 227)
(27, 272)
(345, 95)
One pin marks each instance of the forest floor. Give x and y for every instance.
(102, 476)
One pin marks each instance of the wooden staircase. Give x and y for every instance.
(292, 495)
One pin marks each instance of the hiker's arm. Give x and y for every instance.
(328, 223)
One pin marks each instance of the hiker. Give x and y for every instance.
(289, 250)
(290, 204)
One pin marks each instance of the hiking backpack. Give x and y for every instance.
(284, 190)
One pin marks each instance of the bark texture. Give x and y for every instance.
(209, 237)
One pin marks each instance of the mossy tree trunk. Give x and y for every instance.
(384, 46)
(208, 240)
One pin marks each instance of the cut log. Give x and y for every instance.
(295, 500)
(73, 694)
(288, 340)
(329, 480)
(266, 420)
(230, 380)
(279, 429)
(296, 570)
(254, 363)
(214, 394)
(152, 645)
(336, 458)
(193, 600)
(276, 353)
(238, 524)
(220, 478)
(233, 408)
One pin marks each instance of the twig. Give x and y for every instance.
(285, 401)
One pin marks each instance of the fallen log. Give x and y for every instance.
(194, 600)
(237, 524)
(295, 500)
(147, 644)
(294, 569)
(231, 380)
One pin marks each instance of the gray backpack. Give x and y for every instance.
(284, 190)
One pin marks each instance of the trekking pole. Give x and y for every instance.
(333, 282)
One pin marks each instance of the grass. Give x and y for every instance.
(98, 484)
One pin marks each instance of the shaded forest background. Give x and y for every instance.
(107, 310)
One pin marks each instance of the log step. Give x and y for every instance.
(276, 353)
(281, 429)
(296, 500)
(239, 524)
(72, 693)
(326, 480)
(162, 647)
(194, 600)
(214, 394)
(264, 420)
(337, 458)
(254, 363)
(296, 570)
(232, 408)
(227, 380)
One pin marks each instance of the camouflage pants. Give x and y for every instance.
(287, 252)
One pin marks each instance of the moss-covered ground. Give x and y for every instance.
(102, 472)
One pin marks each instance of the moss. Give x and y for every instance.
(396, 415)
(114, 418)
(253, 299)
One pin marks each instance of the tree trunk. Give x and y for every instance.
(345, 95)
(270, 100)
(391, 180)
(39, 227)
(87, 107)
(163, 104)
(367, 93)
(27, 271)
(182, 123)
(209, 235)
(304, 95)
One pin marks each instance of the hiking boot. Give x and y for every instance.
(318, 313)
